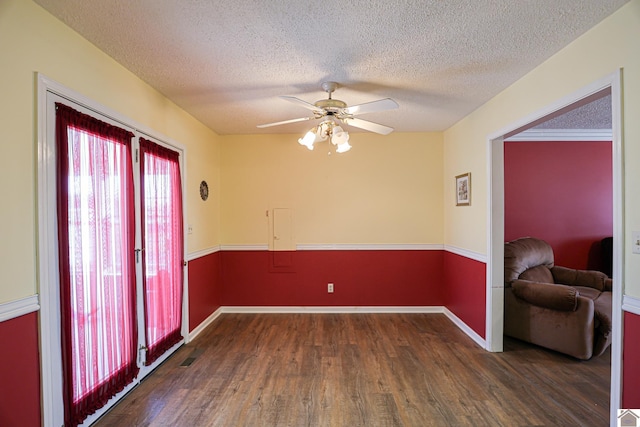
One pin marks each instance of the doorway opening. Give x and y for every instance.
(609, 86)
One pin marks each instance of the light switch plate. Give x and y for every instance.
(635, 241)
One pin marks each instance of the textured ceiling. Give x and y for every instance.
(594, 115)
(227, 61)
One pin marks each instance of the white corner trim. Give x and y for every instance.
(464, 328)
(330, 309)
(244, 247)
(466, 253)
(631, 304)
(202, 326)
(555, 135)
(203, 252)
(12, 309)
(369, 247)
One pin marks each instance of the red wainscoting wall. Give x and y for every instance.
(20, 372)
(261, 278)
(360, 278)
(560, 192)
(465, 284)
(631, 361)
(205, 288)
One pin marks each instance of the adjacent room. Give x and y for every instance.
(278, 213)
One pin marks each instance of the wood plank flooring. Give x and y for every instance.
(362, 370)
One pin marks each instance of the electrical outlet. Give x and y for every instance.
(190, 229)
(330, 288)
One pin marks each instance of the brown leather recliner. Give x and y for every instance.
(559, 308)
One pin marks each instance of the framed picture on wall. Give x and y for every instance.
(463, 189)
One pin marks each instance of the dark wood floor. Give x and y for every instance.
(362, 370)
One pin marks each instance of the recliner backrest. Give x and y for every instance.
(524, 254)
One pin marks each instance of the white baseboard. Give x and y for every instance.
(370, 247)
(466, 329)
(202, 326)
(340, 310)
(332, 309)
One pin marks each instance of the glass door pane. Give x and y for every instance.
(162, 236)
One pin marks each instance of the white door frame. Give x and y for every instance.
(495, 230)
(47, 250)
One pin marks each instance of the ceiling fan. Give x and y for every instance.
(328, 109)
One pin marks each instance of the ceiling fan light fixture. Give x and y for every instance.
(329, 110)
(339, 136)
(328, 129)
(343, 148)
(323, 132)
(308, 139)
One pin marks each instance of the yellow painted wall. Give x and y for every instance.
(31, 41)
(601, 51)
(386, 190)
(393, 189)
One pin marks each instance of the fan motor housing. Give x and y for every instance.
(330, 104)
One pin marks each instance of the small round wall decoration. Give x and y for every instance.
(204, 190)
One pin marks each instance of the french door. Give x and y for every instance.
(162, 260)
(120, 255)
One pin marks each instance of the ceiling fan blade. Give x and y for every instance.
(372, 107)
(302, 103)
(284, 122)
(367, 125)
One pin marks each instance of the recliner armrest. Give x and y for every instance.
(588, 278)
(547, 295)
(608, 285)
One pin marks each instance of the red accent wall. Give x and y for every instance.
(262, 278)
(465, 290)
(360, 278)
(205, 288)
(20, 372)
(560, 192)
(631, 361)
